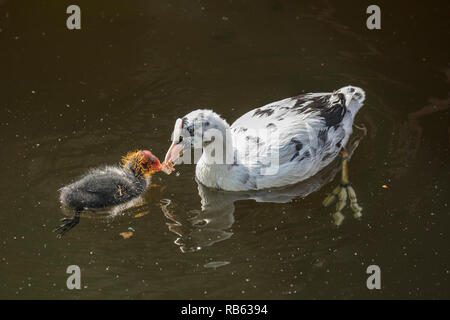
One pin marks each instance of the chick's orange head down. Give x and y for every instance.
(143, 161)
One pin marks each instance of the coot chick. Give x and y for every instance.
(109, 186)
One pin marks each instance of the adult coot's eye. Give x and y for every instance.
(180, 139)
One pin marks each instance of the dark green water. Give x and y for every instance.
(71, 100)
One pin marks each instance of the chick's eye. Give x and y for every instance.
(180, 139)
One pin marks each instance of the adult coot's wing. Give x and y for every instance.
(301, 127)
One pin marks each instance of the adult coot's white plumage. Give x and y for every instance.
(279, 144)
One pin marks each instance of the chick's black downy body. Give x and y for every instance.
(103, 188)
(108, 186)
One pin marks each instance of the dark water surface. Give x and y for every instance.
(71, 100)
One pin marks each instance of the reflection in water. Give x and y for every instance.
(211, 224)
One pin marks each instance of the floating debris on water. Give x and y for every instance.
(139, 215)
(216, 264)
(127, 235)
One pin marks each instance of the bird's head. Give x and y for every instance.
(195, 130)
(142, 163)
